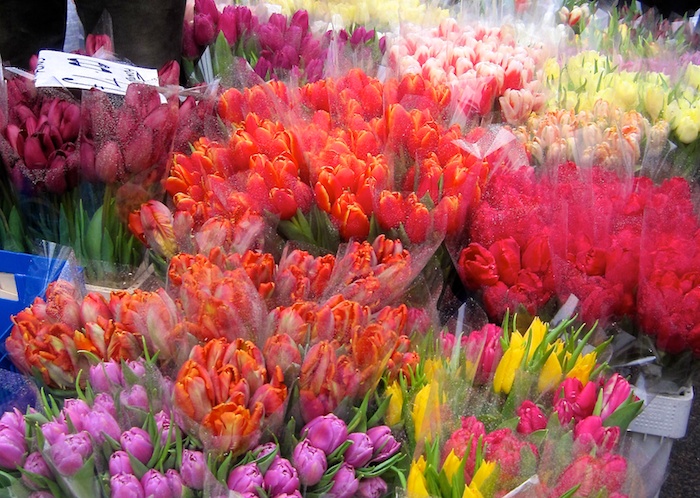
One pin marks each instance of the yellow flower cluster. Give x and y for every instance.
(589, 77)
(417, 484)
(381, 14)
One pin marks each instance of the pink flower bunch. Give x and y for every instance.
(39, 142)
(481, 65)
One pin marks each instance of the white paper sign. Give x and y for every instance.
(59, 69)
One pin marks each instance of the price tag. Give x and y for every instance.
(59, 69)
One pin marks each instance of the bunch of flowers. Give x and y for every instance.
(363, 151)
(382, 15)
(541, 416)
(484, 67)
(277, 47)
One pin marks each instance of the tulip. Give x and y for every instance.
(135, 397)
(326, 433)
(478, 266)
(126, 486)
(615, 392)
(417, 484)
(169, 74)
(345, 484)
(98, 423)
(119, 463)
(281, 477)
(359, 453)
(70, 452)
(426, 411)
(383, 443)
(583, 367)
(156, 485)
(35, 464)
(394, 411)
(193, 469)
(372, 487)
(137, 442)
(234, 427)
(105, 375)
(245, 479)
(104, 403)
(174, 482)
(52, 431)
(281, 350)
(531, 418)
(76, 410)
(590, 432)
(451, 465)
(574, 401)
(165, 428)
(504, 376)
(551, 374)
(310, 463)
(94, 305)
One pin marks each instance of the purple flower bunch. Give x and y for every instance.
(326, 443)
(235, 22)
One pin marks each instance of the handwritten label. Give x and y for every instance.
(59, 69)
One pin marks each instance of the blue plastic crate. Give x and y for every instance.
(23, 277)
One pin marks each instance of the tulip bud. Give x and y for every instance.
(383, 443)
(531, 418)
(52, 432)
(93, 306)
(245, 479)
(193, 469)
(104, 403)
(373, 487)
(615, 392)
(70, 452)
(326, 433)
(98, 423)
(156, 484)
(281, 477)
(126, 486)
(345, 484)
(310, 462)
(137, 442)
(35, 464)
(135, 397)
(165, 428)
(105, 375)
(174, 482)
(119, 463)
(359, 453)
(76, 410)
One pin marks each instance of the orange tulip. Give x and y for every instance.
(233, 427)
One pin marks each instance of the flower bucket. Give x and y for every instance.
(651, 435)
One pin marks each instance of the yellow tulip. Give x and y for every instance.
(551, 373)
(535, 334)
(432, 369)
(583, 367)
(451, 465)
(471, 493)
(426, 412)
(416, 484)
(504, 376)
(686, 129)
(395, 408)
(484, 472)
(654, 97)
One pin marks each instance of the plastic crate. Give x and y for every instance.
(665, 415)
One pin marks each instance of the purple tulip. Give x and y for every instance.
(76, 410)
(345, 484)
(104, 403)
(372, 487)
(54, 430)
(263, 68)
(97, 424)
(119, 463)
(105, 375)
(13, 447)
(326, 433)
(190, 49)
(263, 450)
(245, 479)
(137, 367)
(135, 397)
(270, 36)
(310, 462)
(126, 486)
(137, 442)
(175, 482)
(204, 30)
(35, 464)
(193, 469)
(359, 453)
(295, 494)
(15, 420)
(163, 424)
(156, 485)
(383, 442)
(228, 24)
(281, 477)
(70, 452)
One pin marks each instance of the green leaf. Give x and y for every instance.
(94, 236)
(223, 59)
(624, 414)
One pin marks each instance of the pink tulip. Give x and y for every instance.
(615, 392)
(531, 418)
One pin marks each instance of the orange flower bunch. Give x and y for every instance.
(47, 337)
(228, 395)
